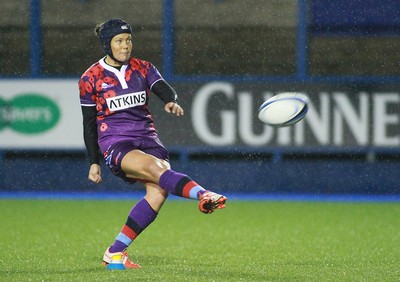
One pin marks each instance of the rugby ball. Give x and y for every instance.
(284, 109)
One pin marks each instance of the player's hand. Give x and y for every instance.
(95, 173)
(173, 108)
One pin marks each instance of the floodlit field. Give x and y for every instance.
(64, 240)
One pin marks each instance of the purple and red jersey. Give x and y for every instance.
(121, 99)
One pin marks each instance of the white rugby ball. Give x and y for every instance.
(284, 109)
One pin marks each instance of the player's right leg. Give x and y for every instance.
(140, 217)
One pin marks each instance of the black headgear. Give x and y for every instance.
(110, 29)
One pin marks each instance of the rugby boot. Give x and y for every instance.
(118, 260)
(209, 201)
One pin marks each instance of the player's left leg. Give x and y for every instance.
(182, 185)
(137, 164)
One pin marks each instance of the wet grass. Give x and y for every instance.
(63, 240)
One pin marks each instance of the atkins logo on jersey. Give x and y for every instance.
(126, 101)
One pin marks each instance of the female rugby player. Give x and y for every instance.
(114, 95)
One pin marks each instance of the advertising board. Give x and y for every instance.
(225, 114)
(46, 114)
(40, 114)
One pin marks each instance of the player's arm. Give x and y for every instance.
(168, 95)
(89, 114)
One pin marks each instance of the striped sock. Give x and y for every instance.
(180, 184)
(139, 218)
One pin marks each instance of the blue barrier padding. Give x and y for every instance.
(232, 197)
(270, 172)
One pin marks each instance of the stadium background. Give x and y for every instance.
(224, 58)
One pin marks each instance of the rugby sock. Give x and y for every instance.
(180, 184)
(139, 218)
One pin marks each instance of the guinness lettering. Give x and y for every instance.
(224, 116)
(126, 101)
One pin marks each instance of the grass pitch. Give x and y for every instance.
(64, 240)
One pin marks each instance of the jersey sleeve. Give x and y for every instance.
(86, 90)
(89, 113)
(153, 75)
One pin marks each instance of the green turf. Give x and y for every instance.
(49, 240)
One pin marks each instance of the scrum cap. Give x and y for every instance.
(110, 29)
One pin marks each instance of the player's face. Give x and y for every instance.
(121, 46)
